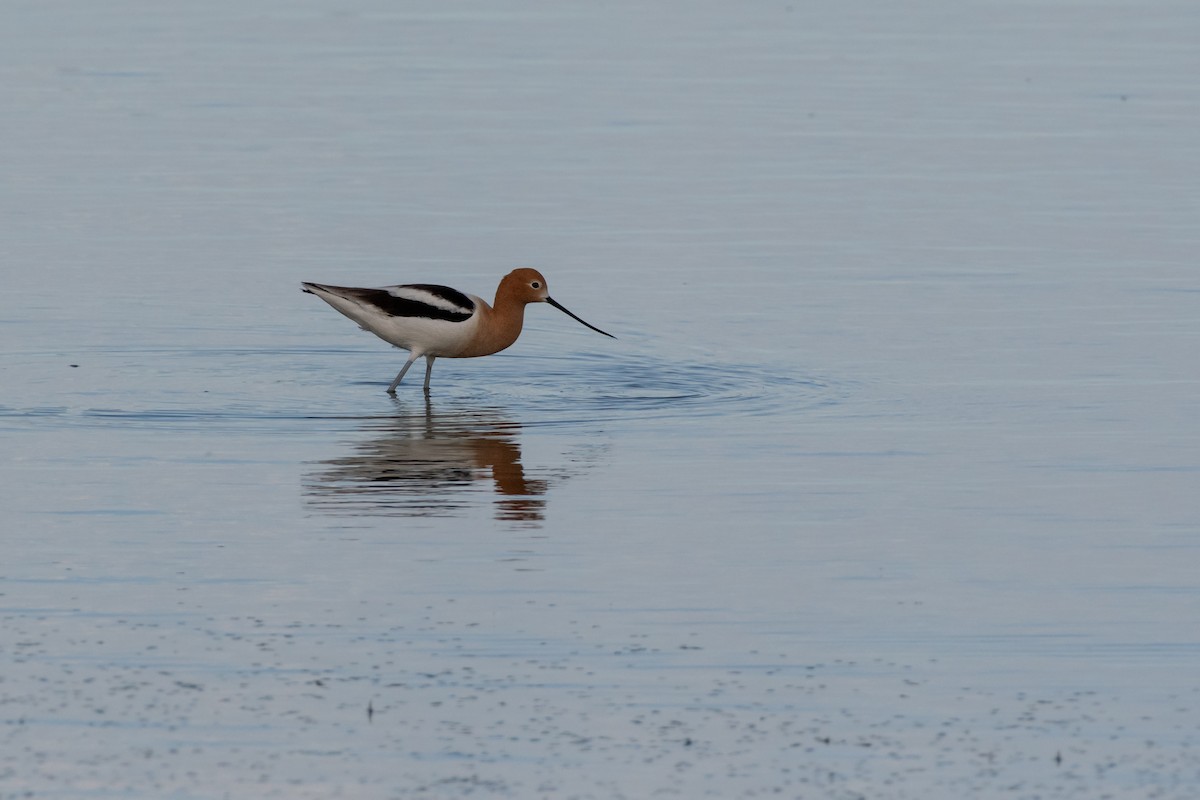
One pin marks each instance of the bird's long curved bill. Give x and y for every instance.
(563, 309)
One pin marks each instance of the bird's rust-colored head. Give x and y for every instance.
(526, 285)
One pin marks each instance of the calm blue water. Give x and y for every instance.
(886, 488)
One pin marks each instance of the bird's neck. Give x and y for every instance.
(499, 326)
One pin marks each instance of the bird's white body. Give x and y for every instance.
(420, 335)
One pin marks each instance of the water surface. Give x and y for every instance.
(887, 485)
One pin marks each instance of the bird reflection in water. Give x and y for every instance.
(431, 465)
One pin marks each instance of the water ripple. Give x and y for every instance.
(544, 390)
(608, 387)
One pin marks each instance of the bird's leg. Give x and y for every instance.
(428, 371)
(392, 389)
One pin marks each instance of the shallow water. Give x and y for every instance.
(886, 488)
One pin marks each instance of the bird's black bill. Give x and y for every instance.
(563, 309)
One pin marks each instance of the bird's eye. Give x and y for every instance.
(536, 285)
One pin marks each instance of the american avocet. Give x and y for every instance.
(437, 321)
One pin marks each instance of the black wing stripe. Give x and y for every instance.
(450, 296)
(389, 303)
(447, 304)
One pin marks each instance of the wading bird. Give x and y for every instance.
(440, 322)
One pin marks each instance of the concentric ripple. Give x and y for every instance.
(532, 389)
(618, 386)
